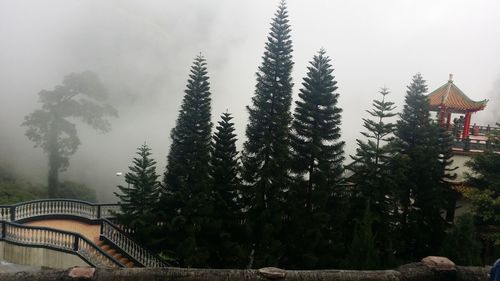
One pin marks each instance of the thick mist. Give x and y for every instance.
(143, 50)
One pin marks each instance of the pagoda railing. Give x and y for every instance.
(483, 130)
(474, 130)
(477, 140)
(470, 144)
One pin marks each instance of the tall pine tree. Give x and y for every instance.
(421, 195)
(139, 199)
(372, 173)
(186, 196)
(227, 251)
(266, 152)
(317, 166)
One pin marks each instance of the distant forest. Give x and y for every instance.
(288, 199)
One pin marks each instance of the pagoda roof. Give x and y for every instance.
(453, 99)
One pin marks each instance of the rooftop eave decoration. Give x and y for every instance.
(453, 99)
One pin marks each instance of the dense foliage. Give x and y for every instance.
(363, 252)
(76, 190)
(461, 244)
(484, 191)
(15, 189)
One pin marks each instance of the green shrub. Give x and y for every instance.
(461, 244)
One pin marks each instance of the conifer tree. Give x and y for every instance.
(372, 172)
(317, 166)
(266, 152)
(186, 196)
(139, 199)
(363, 253)
(461, 244)
(419, 187)
(224, 164)
(226, 248)
(371, 160)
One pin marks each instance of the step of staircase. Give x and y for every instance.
(113, 252)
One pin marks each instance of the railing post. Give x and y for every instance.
(3, 229)
(75, 245)
(98, 211)
(467, 144)
(13, 213)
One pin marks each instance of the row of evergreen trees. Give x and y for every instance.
(288, 201)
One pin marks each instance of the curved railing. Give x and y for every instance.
(58, 240)
(57, 207)
(96, 213)
(132, 249)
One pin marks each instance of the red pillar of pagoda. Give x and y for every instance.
(466, 125)
(441, 116)
(448, 121)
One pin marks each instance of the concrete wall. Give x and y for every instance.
(410, 272)
(463, 205)
(38, 256)
(459, 161)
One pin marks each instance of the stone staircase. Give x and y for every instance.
(114, 253)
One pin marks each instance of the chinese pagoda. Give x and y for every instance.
(449, 99)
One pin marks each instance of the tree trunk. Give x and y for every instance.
(54, 161)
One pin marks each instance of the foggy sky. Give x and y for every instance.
(143, 51)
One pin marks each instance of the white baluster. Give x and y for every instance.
(23, 234)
